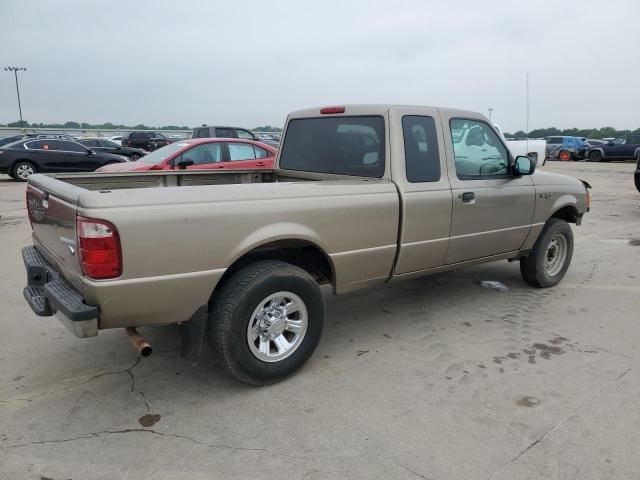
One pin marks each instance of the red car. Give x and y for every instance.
(202, 154)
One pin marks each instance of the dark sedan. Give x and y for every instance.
(11, 139)
(107, 146)
(42, 155)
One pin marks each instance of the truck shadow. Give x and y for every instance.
(356, 322)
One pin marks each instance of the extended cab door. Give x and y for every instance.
(492, 210)
(419, 170)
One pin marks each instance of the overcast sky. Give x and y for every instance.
(249, 63)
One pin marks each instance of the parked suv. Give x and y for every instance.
(206, 131)
(145, 140)
(622, 148)
(566, 148)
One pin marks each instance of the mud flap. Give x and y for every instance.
(192, 335)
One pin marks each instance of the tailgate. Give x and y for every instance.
(52, 206)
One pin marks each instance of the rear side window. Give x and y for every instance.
(225, 133)
(202, 133)
(244, 134)
(554, 140)
(336, 145)
(35, 145)
(260, 152)
(633, 139)
(52, 145)
(421, 149)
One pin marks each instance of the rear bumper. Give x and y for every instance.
(49, 294)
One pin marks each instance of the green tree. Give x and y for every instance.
(71, 125)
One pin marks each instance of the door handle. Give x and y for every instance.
(467, 196)
(260, 164)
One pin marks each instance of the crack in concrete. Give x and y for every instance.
(562, 422)
(419, 475)
(128, 371)
(144, 399)
(92, 435)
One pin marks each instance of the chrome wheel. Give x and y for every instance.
(24, 171)
(277, 326)
(556, 255)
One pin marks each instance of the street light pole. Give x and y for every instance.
(15, 71)
(490, 113)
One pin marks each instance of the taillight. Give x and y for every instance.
(29, 207)
(100, 253)
(328, 110)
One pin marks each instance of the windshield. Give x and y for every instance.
(161, 154)
(337, 145)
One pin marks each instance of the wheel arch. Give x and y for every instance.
(301, 252)
(568, 213)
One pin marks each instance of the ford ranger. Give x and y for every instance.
(360, 195)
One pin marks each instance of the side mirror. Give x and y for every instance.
(610, 144)
(181, 162)
(523, 166)
(89, 151)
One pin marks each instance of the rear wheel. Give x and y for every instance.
(266, 321)
(134, 156)
(564, 155)
(551, 255)
(595, 156)
(22, 170)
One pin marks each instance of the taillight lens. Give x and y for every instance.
(329, 110)
(100, 252)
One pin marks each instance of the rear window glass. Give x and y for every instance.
(421, 149)
(336, 145)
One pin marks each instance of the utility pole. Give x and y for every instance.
(490, 113)
(15, 71)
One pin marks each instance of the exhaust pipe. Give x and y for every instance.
(139, 343)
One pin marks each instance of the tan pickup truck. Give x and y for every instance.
(361, 195)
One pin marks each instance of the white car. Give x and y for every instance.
(117, 139)
(534, 149)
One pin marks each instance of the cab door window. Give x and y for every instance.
(478, 151)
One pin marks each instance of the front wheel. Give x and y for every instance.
(551, 255)
(266, 321)
(595, 156)
(22, 171)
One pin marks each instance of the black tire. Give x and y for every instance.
(234, 306)
(20, 167)
(595, 156)
(134, 156)
(533, 268)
